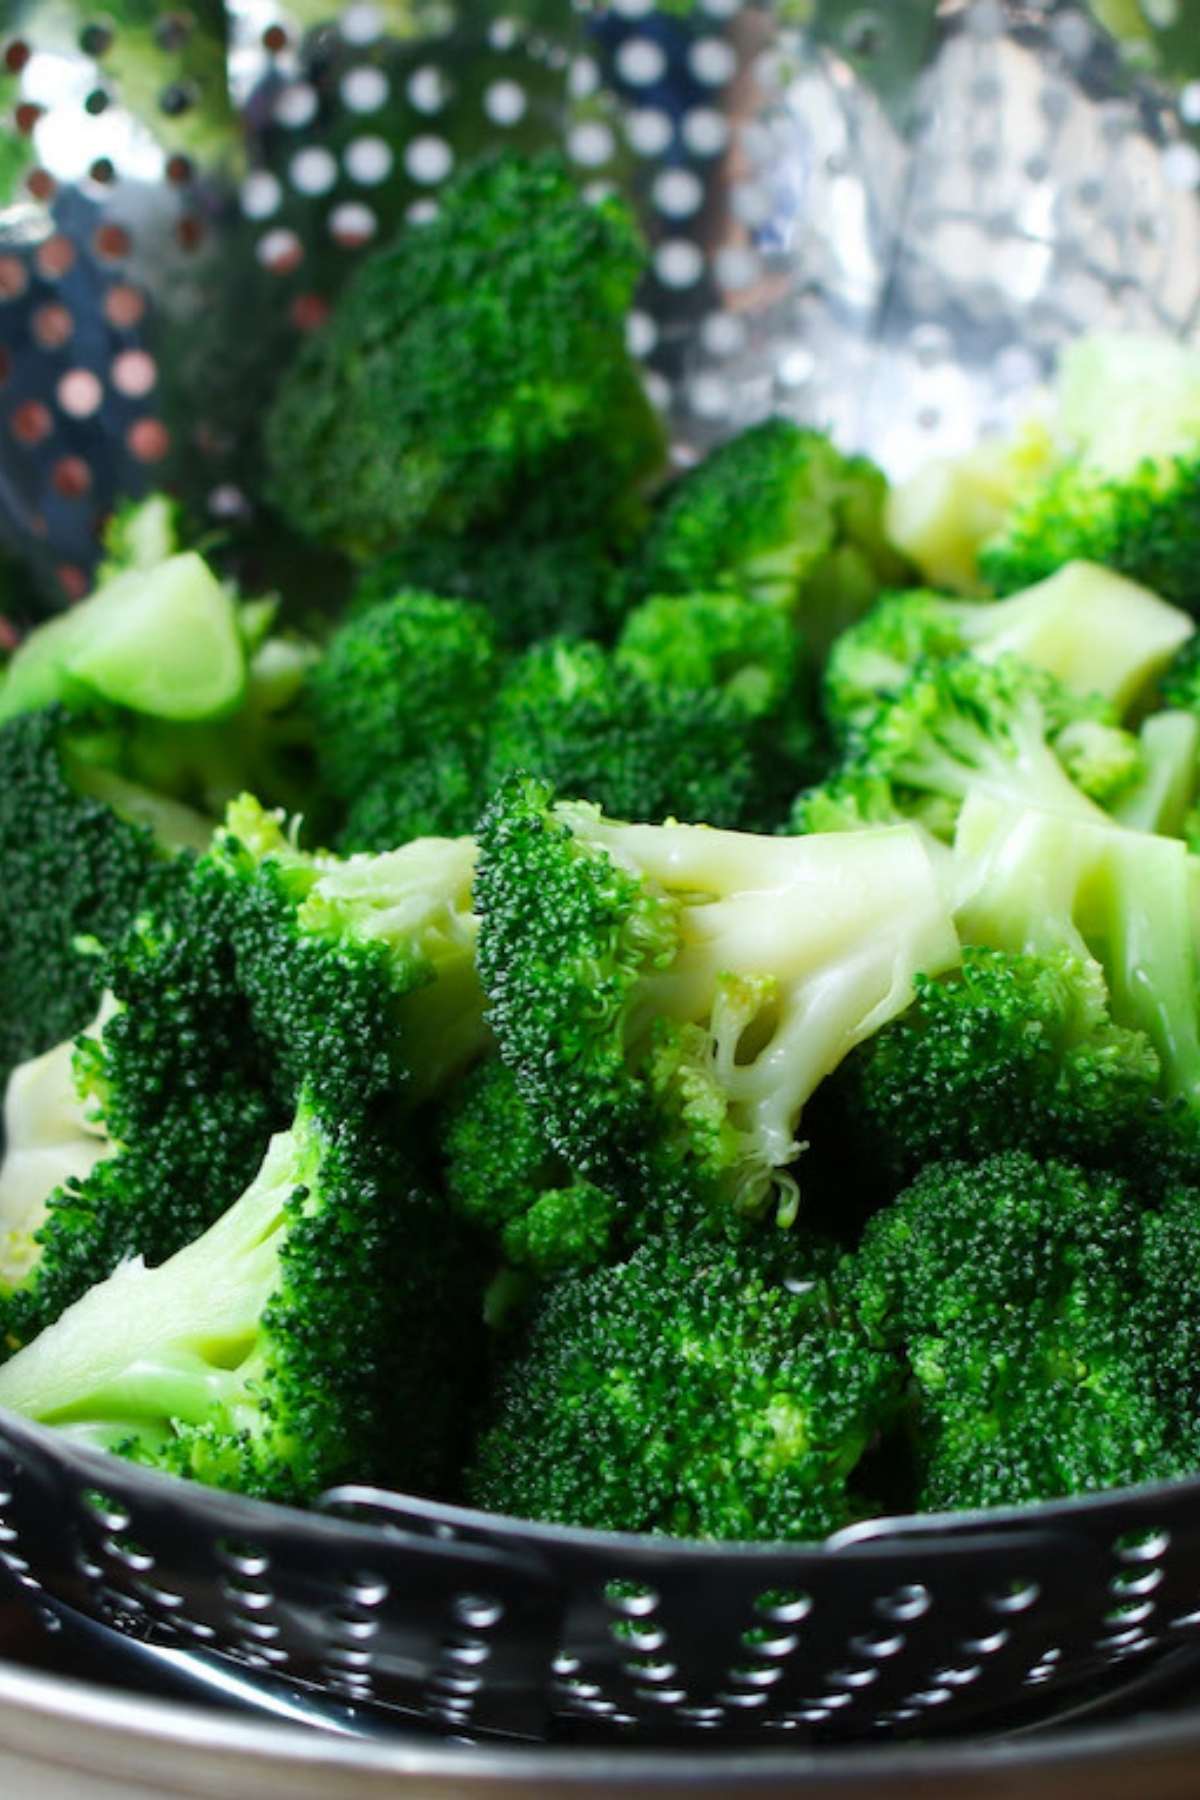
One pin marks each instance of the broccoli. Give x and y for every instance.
(320, 1329)
(162, 641)
(50, 1137)
(398, 701)
(1163, 799)
(586, 721)
(963, 727)
(1096, 632)
(502, 1175)
(710, 1391)
(1011, 1051)
(478, 356)
(437, 794)
(779, 516)
(1039, 883)
(942, 515)
(1013, 1286)
(80, 853)
(263, 973)
(669, 997)
(141, 534)
(1125, 488)
(359, 973)
(552, 567)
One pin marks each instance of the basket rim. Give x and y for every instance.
(391, 1510)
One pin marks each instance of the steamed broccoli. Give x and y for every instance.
(963, 727)
(1041, 883)
(1013, 1286)
(1012, 1051)
(476, 357)
(80, 853)
(581, 718)
(161, 641)
(945, 513)
(711, 1391)
(320, 1329)
(398, 703)
(50, 1137)
(141, 534)
(1124, 489)
(1096, 632)
(779, 516)
(555, 566)
(502, 1175)
(263, 973)
(668, 998)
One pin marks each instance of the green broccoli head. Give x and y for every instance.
(710, 1391)
(962, 728)
(475, 357)
(80, 854)
(590, 725)
(320, 1329)
(552, 567)
(779, 516)
(1012, 1051)
(502, 1175)
(1012, 1287)
(359, 973)
(437, 794)
(668, 998)
(399, 682)
(1097, 633)
(1125, 488)
(263, 973)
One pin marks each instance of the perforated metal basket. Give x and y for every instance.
(887, 220)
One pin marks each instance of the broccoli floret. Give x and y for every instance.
(964, 727)
(1013, 1288)
(320, 1329)
(1012, 1051)
(502, 1174)
(1125, 488)
(779, 516)
(263, 974)
(398, 702)
(553, 568)
(475, 357)
(573, 713)
(80, 853)
(398, 678)
(669, 997)
(438, 794)
(359, 972)
(1038, 883)
(710, 1391)
(1096, 632)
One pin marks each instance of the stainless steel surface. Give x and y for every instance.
(60, 1736)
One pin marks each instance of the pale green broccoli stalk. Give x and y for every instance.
(943, 515)
(1162, 800)
(1040, 883)
(163, 641)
